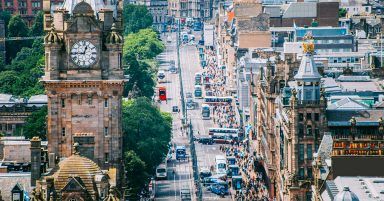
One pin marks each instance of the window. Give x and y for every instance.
(22, 12)
(106, 102)
(301, 173)
(62, 103)
(309, 151)
(22, 4)
(9, 4)
(106, 157)
(63, 132)
(301, 152)
(301, 117)
(309, 130)
(36, 4)
(309, 172)
(119, 60)
(317, 117)
(89, 100)
(301, 130)
(309, 116)
(105, 131)
(308, 196)
(317, 132)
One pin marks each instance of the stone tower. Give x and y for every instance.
(35, 160)
(84, 79)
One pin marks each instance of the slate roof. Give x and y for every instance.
(273, 11)
(9, 180)
(367, 117)
(301, 9)
(347, 104)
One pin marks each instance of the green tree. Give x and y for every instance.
(36, 124)
(146, 131)
(21, 77)
(141, 81)
(136, 17)
(5, 16)
(16, 28)
(145, 44)
(135, 172)
(37, 28)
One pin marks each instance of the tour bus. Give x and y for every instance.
(161, 171)
(205, 111)
(217, 100)
(197, 78)
(162, 94)
(180, 153)
(220, 164)
(231, 131)
(198, 91)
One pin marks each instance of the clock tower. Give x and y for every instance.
(84, 79)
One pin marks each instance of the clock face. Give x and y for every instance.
(83, 53)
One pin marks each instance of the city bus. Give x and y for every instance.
(180, 153)
(161, 171)
(218, 100)
(162, 94)
(231, 131)
(220, 164)
(197, 78)
(205, 111)
(198, 91)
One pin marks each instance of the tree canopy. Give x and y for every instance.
(16, 28)
(21, 77)
(36, 124)
(147, 132)
(136, 17)
(37, 28)
(141, 78)
(145, 44)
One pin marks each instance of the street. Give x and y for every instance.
(189, 62)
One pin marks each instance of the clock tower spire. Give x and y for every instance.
(84, 80)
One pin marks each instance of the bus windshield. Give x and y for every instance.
(160, 170)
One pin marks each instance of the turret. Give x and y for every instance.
(308, 77)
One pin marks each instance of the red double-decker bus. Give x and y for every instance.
(162, 94)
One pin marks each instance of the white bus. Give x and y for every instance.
(205, 111)
(161, 171)
(220, 164)
(217, 100)
(231, 131)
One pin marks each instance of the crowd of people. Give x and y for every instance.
(224, 116)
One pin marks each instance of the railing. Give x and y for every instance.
(20, 107)
(308, 102)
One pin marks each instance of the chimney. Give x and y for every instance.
(35, 160)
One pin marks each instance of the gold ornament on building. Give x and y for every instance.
(308, 45)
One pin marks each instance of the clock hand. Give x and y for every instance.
(85, 49)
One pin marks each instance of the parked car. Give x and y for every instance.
(206, 140)
(205, 172)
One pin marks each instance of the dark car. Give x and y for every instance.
(206, 140)
(175, 109)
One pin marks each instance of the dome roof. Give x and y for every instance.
(346, 195)
(77, 166)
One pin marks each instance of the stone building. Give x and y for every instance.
(159, 11)
(14, 112)
(84, 81)
(76, 178)
(290, 119)
(27, 9)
